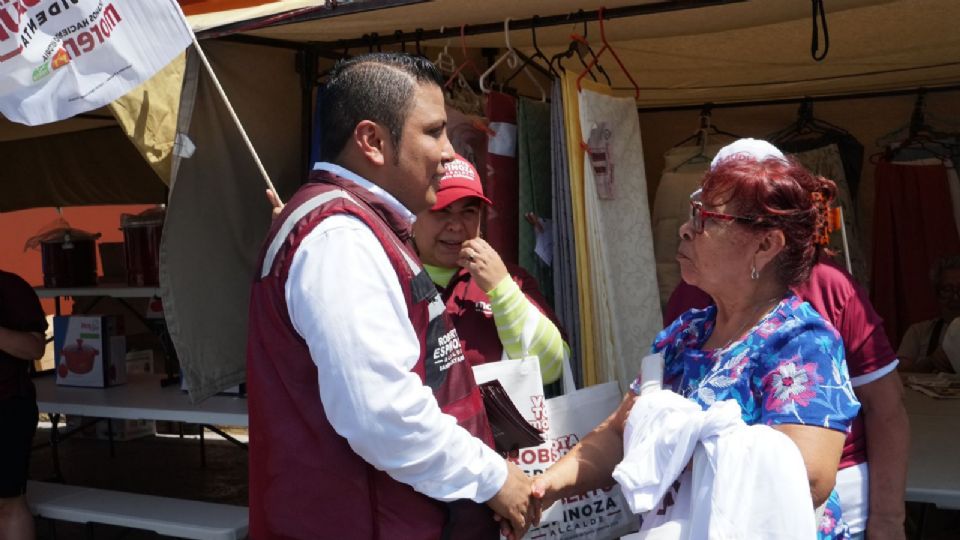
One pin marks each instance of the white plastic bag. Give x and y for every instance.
(596, 515)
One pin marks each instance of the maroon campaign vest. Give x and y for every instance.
(469, 308)
(305, 480)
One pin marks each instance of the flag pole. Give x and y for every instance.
(226, 101)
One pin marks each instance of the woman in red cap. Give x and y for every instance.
(496, 317)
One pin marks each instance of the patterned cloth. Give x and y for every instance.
(789, 369)
(536, 193)
(619, 240)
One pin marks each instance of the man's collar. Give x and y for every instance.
(342, 172)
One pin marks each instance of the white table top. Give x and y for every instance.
(933, 473)
(142, 398)
(115, 291)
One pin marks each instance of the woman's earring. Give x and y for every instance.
(754, 275)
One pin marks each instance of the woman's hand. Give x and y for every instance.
(545, 491)
(483, 262)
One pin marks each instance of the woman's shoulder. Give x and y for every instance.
(690, 325)
(796, 321)
(805, 317)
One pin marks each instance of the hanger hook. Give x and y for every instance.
(506, 33)
(533, 32)
(419, 34)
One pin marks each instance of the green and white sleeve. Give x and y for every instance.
(524, 330)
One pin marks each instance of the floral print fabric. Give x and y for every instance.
(789, 369)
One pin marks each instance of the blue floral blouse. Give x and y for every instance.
(789, 369)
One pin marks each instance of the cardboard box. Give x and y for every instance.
(90, 350)
(140, 362)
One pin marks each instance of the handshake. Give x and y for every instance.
(520, 502)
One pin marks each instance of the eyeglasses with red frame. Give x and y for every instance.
(698, 215)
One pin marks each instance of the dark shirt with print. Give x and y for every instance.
(20, 311)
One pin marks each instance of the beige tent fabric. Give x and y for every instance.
(218, 214)
(683, 170)
(148, 115)
(734, 52)
(97, 166)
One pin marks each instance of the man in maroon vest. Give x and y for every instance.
(365, 421)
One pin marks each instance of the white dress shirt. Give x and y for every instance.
(345, 300)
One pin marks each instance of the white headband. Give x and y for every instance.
(754, 148)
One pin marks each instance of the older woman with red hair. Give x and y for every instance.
(751, 236)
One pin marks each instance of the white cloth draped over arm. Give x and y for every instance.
(747, 481)
(354, 320)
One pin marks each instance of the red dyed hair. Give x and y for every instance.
(776, 194)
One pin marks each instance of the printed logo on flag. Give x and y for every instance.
(113, 47)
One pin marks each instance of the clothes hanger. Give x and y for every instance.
(920, 136)
(509, 57)
(920, 122)
(537, 55)
(467, 62)
(606, 47)
(512, 60)
(806, 125)
(701, 155)
(444, 62)
(706, 127)
(580, 46)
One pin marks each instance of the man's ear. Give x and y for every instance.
(371, 140)
(771, 244)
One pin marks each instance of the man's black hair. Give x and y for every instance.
(377, 87)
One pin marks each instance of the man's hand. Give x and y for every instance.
(275, 202)
(513, 504)
(483, 262)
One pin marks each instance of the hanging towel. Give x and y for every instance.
(850, 149)
(567, 302)
(533, 154)
(571, 123)
(913, 228)
(623, 282)
(826, 161)
(501, 186)
(468, 136)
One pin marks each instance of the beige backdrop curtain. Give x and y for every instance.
(218, 214)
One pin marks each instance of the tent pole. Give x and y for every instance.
(422, 35)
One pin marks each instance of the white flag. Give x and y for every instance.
(59, 58)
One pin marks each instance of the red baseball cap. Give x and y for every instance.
(461, 180)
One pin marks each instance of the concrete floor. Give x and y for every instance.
(157, 465)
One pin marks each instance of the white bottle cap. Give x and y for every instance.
(651, 373)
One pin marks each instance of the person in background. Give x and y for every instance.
(22, 328)
(921, 347)
(365, 420)
(873, 468)
(497, 309)
(750, 237)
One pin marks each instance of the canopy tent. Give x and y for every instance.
(701, 51)
(686, 52)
